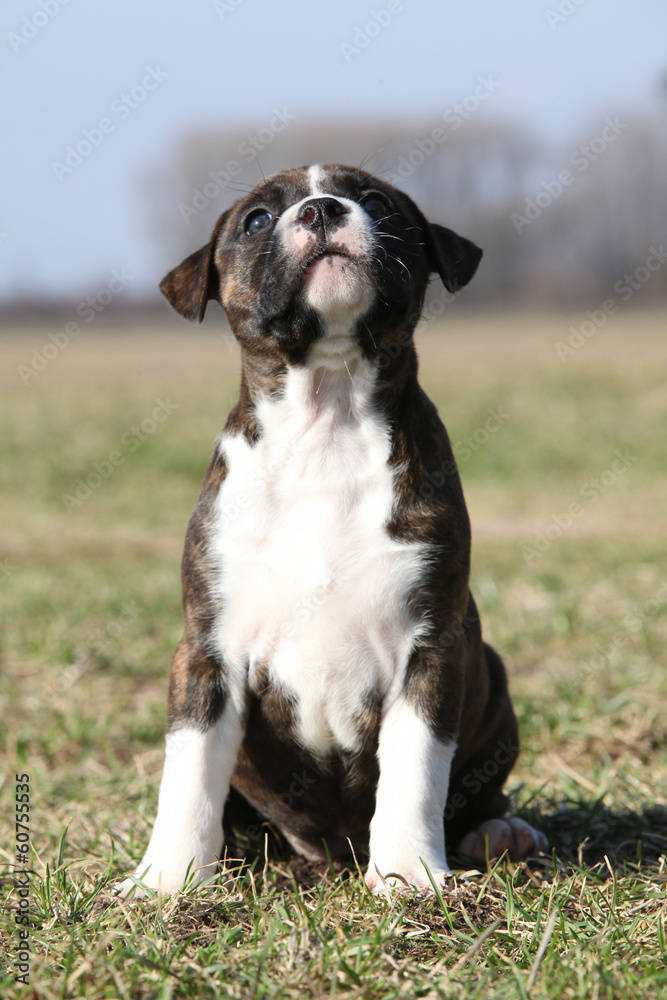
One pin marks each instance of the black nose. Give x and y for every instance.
(322, 213)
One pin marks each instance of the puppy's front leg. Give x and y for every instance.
(408, 823)
(205, 733)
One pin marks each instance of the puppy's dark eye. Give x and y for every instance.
(257, 220)
(375, 205)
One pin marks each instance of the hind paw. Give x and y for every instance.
(513, 835)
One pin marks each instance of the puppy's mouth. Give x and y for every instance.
(334, 281)
(326, 252)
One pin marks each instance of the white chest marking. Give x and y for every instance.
(312, 587)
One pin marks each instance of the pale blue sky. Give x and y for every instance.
(234, 65)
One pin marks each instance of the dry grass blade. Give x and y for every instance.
(546, 937)
(474, 948)
(580, 624)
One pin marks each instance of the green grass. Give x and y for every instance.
(91, 613)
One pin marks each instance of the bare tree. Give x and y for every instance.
(547, 239)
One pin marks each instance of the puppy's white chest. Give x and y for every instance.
(313, 589)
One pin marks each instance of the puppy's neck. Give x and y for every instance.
(334, 386)
(336, 358)
(343, 377)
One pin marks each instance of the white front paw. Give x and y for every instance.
(164, 878)
(128, 889)
(403, 874)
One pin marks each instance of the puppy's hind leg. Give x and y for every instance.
(512, 835)
(475, 816)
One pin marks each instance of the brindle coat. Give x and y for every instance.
(454, 680)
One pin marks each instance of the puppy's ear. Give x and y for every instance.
(453, 257)
(190, 285)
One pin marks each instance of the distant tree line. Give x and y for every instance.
(586, 223)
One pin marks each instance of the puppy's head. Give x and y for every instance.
(322, 253)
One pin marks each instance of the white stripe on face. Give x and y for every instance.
(336, 287)
(316, 178)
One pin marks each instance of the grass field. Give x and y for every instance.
(569, 509)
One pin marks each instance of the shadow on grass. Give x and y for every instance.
(587, 839)
(582, 833)
(585, 832)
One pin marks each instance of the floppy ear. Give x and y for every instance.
(190, 285)
(453, 257)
